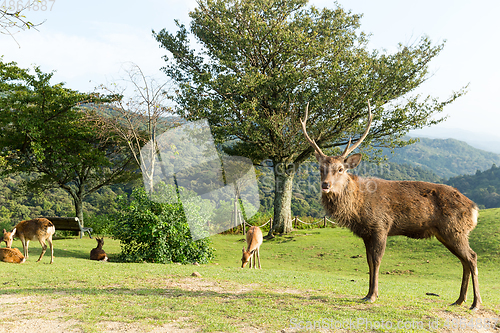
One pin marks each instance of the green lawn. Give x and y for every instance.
(311, 277)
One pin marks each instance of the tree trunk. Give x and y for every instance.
(79, 209)
(283, 177)
(77, 201)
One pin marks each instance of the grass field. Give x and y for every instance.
(310, 278)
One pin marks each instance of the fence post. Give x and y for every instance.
(324, 221)
(295, 222)
(244, 225)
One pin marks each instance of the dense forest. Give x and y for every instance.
(17, 205)
(483, 187)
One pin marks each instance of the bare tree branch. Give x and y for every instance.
(12, 19)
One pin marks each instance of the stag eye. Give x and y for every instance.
(341, 169)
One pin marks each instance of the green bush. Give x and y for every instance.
(101, 224)
(158, 232)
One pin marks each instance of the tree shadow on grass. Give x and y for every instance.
(171, 292)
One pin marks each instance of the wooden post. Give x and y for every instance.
(295, 224)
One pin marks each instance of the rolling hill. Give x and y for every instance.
(445, 157)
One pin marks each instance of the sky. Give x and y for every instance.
(89, 43)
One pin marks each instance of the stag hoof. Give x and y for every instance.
(474, 307)
(368, 299)
(457, 302)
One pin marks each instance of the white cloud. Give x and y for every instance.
(79, 59)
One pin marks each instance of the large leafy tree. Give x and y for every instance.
(47, 131)
(257, 64)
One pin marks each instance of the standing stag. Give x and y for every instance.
(375, 208)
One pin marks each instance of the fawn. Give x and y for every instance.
(11, 255)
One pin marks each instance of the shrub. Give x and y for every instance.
(101, 224)
(157, 232)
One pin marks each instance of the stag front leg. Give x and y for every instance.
(375, 248)
(25, 243)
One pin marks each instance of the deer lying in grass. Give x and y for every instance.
(254, 241)
(41, 229)
(374, 209)
(98, 253)
(11, 255)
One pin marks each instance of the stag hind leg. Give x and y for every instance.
(375, 248)
(459, 246)
(44, 248)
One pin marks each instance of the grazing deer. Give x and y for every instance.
(254, 241)
(374, 209)
(41, 229)
(11, 255)
(98, 253)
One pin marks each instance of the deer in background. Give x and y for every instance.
(254, 241)
(98, 253)
(374, 209)
(41, 229)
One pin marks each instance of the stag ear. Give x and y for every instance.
(352, 161)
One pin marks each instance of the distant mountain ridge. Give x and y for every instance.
(445, 157)
(484, 141)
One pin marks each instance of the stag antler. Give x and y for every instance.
(348, 149)
(311, 141)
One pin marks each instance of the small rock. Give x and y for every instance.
(196, 274)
